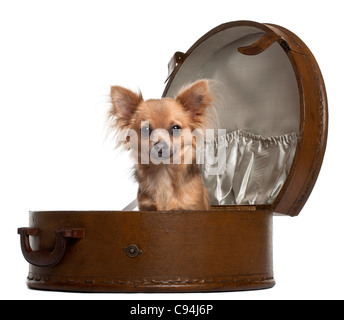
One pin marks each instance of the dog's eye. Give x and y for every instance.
(175, 130)
(146, 131)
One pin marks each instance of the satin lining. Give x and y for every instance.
(243, 168)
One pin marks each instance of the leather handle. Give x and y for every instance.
(177, 58)
(45, 258)
(258, 47)
(261, 44)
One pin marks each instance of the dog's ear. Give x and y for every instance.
(124, 105)
(195, 99)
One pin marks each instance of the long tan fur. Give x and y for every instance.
(164, 185)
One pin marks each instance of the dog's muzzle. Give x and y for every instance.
(161, 150)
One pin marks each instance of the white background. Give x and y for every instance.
(58, 60)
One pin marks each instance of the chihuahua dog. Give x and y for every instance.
(159, 134)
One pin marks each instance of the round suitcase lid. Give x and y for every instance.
(271, 100)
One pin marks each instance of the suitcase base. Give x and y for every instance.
(224, 249)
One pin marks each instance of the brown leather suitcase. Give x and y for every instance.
(274, 110)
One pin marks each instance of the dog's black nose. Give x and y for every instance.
(160, 147)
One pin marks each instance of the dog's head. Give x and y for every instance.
(160, 129)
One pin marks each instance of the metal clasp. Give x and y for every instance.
(132, 250)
